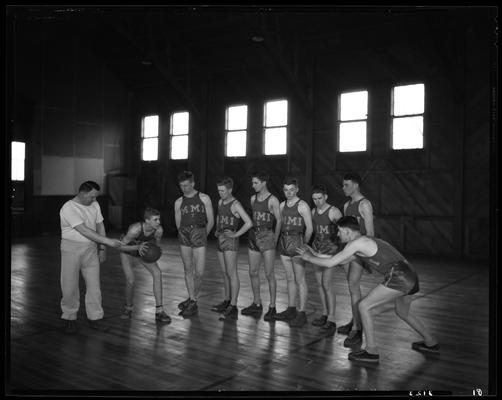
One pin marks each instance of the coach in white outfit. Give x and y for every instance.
(82, 229)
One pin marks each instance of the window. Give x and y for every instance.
(276, 127)
(352, 121)
(408, 117)
(179, 135)
(17, 161)
(150, 138)
(236, 122)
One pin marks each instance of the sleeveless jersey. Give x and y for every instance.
(226, 219)
(324, 228)
(383, 259)
(145, 238)
(353, 210)
(193, 211)
(292, 221)
(262, 217)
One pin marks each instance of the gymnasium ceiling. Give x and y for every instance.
(149, 46)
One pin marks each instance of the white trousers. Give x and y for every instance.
(75, 258)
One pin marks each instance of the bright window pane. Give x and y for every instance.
(179, 123)
(354, 105)
(151, 126)
(408, 133)
(150, 150)
(17, 161)
(275, 141)
(408, 100)
(179, 147)
(236, 143)
(276, 113)
(237, 118)
(353, 136)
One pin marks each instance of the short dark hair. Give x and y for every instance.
(354, 177)
(319, 189)
(226, 181)
(185, 176)
(261, 175)
(150, 212)
(350, 222)
(87, 186)
(290, 181)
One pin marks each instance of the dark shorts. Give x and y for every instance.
(224, 243)
(261, 240)
(289, 243)
(192, 236)
(401, 277)
(324, 246)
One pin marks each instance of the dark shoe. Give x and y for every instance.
(364, 356)
(98, 325)
(127, 314)
(270, 315)
(329, 329)
(421, 346)
(286, 315)
(299, 320)
(184, 304)
(220, 308)
(190, 309)
(162, 317)
(252, 309)
(232, 312)
(70, 327)
(345, 329)
(320, 321)
(354, 338)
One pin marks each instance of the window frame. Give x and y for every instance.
(171, 135)
(264, 127)
(340, 122)
(246, 130)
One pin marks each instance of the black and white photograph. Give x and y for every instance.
(251, 200)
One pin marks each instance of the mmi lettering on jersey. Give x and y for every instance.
(262, 216)
(323, 229)
(295, 221)
(226, 220)
(192, 209)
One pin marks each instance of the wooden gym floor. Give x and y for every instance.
(205, 354)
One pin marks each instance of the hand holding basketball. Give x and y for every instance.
(151, 253)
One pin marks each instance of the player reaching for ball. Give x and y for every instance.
(138, 238)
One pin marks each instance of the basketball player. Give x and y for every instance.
(361, 208)
(296, 229)
(400, 281)
(324, 217)
(262, 241)
(193, 213)
(229, 216)
(82, 229)
(135, 241)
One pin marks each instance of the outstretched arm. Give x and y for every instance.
(346, 255)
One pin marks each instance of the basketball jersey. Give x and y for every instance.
(262, 217)
(193, 211)
(226, 219)
(385, 256)
(292, 221)
(353, 210)
(140, 239)
(145, 238)
(324, 228)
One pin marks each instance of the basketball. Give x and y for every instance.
(152, 253)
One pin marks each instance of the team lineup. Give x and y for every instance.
(323, 237)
